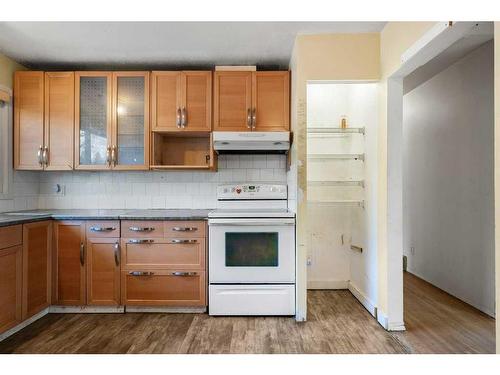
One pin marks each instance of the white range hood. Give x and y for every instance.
(259, 142)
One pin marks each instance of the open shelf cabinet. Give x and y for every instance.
(181, 150)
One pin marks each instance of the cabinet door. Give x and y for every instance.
(93, 120)
(232, 101)
(69, 257)
(196, 108)
(165, 101)
(59, 120)
(11, 268)
(103, 271)
(130, 146)
(28, 120)
(36, 267)
(271, 101)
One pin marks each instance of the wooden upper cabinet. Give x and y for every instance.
(271, 101)
(232, 100)
(252, 101)
(93, 103)
(181, 101)
(37, 240)
(130, 121)
(59, 120)
(69, 263)
(196, 111)
(28, 120)
(103, 271)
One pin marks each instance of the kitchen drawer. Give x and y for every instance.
(103, 228)
(142, 229)
(163, 288)
(185, 229)
(178, 253)
(11, 236)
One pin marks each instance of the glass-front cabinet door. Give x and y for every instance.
(93, 92)
(130, 146)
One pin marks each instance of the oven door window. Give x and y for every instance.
(251, 249)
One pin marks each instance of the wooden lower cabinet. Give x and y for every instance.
(37, 246)
(11, 270)
(103, 271)
(164, 253)
(69, 263)
(163, 288)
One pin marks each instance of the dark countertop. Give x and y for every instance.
(21, 217)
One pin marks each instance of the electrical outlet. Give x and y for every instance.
(59, 189)
(412, 250)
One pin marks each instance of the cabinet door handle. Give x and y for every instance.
(140, 241)
(45, 156)
(113, 155)
(117, 253)
(249, 118)
(254, 118)
(183, 117)
(184, 273)
(141, 273)
(178, 117)
(39, 155)
(184, 229)
(102, 229)
(183, 241)
(141, 229)
(108, 156)
(82, 253)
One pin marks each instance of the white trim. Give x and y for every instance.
(6, 141)
(165, 309)
(382, 319)
(397, 326)
(87, 309)
(24, 324)
(364, 300)
(327, 284)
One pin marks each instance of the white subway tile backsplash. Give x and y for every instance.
(142, 189)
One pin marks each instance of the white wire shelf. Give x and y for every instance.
(326, 157)
(359, 203)
(332, 130)
(337, 183)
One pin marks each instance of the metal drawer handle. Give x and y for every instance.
(117, 253)
(140, 241)
(184, 229)
(184, 274)
(102, 229)
(141, 229)
(141, 273)
(183, 241)
(178, 118)
(82, 253)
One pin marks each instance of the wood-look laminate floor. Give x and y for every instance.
(337, 323)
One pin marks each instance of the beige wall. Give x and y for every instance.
(395, 38)
(7, 69)
(322, 57)
(497, 178)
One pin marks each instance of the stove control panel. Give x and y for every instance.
(251, 191)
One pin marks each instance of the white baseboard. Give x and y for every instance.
(24, 324)
(87, 309)
(327, 284)
(364, 300)
(389, 326)
(165, 309)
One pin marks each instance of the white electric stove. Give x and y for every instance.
(251, 251)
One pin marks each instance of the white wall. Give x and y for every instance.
(333, 264)
(152, 189)
(448, 179)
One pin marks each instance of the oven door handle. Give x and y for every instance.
(251, 222)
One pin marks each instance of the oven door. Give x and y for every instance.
(245, 251)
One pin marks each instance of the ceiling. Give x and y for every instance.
(73, 45)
